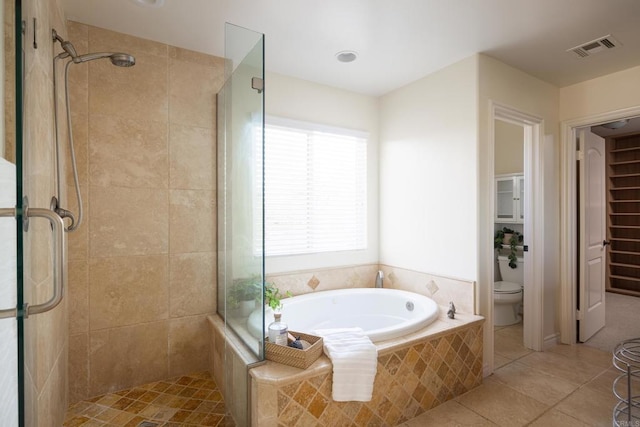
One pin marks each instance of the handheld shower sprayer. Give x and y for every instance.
(69, 51)
(66, 45)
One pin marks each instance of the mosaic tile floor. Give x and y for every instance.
(192, 400)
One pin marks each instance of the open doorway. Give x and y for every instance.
(509, 226)
(620, 243)
(529, 218)
(620, 247)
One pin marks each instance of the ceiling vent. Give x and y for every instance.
(598, 45)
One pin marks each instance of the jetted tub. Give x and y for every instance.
(382, 313)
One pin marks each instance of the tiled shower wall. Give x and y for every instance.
(46, 335)
(142, 266)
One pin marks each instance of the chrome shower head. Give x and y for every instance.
(123, 60)
(118, 59)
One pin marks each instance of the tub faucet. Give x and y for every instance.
(452, 310)
(379, 279)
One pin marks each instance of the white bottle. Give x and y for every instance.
(278, 331)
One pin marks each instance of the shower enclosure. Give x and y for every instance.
(32, 255)
(240, 209)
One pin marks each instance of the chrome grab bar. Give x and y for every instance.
(58, 262)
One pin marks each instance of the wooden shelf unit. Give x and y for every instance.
(623, 214)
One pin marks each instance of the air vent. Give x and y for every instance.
(598, 45)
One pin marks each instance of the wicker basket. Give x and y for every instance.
(292, 356)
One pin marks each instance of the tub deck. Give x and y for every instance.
(415, 373)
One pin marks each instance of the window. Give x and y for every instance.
(315, 189)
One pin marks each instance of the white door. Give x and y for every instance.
(592, 235)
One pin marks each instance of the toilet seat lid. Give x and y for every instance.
(506, 288)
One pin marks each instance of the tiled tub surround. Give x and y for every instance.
(415, 373)
(439, 288)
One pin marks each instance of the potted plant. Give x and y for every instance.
(272, 296)
(244, 293)
(513, 239)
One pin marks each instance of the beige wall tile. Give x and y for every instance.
(78, 240)
(124, 147)
(188, 345)
(126, 221)
(197, 58)
(144, 349)
(192, 90)
(31, 331)
(216, 349)
(45, 334)
(78, 367)
(52, 329)
(38, 249)
(192, 221)
(30, 401)
(79, 35)
(53, 398)
(80, 123)
(78, 105)
(128, 153)
(101, 40)
(128, 290)
(439, 288)
(193, 152)
(138, 92)
(192, 284)
(78, 296)
(302, 282)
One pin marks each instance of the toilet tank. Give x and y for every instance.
(508, 274)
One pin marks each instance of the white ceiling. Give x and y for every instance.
(398, 41)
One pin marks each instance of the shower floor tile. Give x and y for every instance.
(190, 400)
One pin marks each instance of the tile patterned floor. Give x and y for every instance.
(191, 400)
(566, 385)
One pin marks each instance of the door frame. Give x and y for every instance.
(534, 224)
(569, 211)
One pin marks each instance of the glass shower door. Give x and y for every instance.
(240, 212)
(32, 251)
(11, 396)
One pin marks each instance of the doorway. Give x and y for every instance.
(530, 129)
(509, 225)
(572, 304)
(605, 318)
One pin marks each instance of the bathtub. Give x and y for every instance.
(383, 314)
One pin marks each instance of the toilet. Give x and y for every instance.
(507, 294)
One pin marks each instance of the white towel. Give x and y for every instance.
(355, 360)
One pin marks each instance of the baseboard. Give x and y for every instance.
(486, 370)
(550, 341)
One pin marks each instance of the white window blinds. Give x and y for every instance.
(315, 189)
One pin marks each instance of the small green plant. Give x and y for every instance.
(272, 296)
(513, 241)
(247, 289)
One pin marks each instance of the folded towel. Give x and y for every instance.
(355, 360)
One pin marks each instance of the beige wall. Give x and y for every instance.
(142, 267)
(46, 335)
(509, 149)
(604, 94)
(428, 173)
(509, 86)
